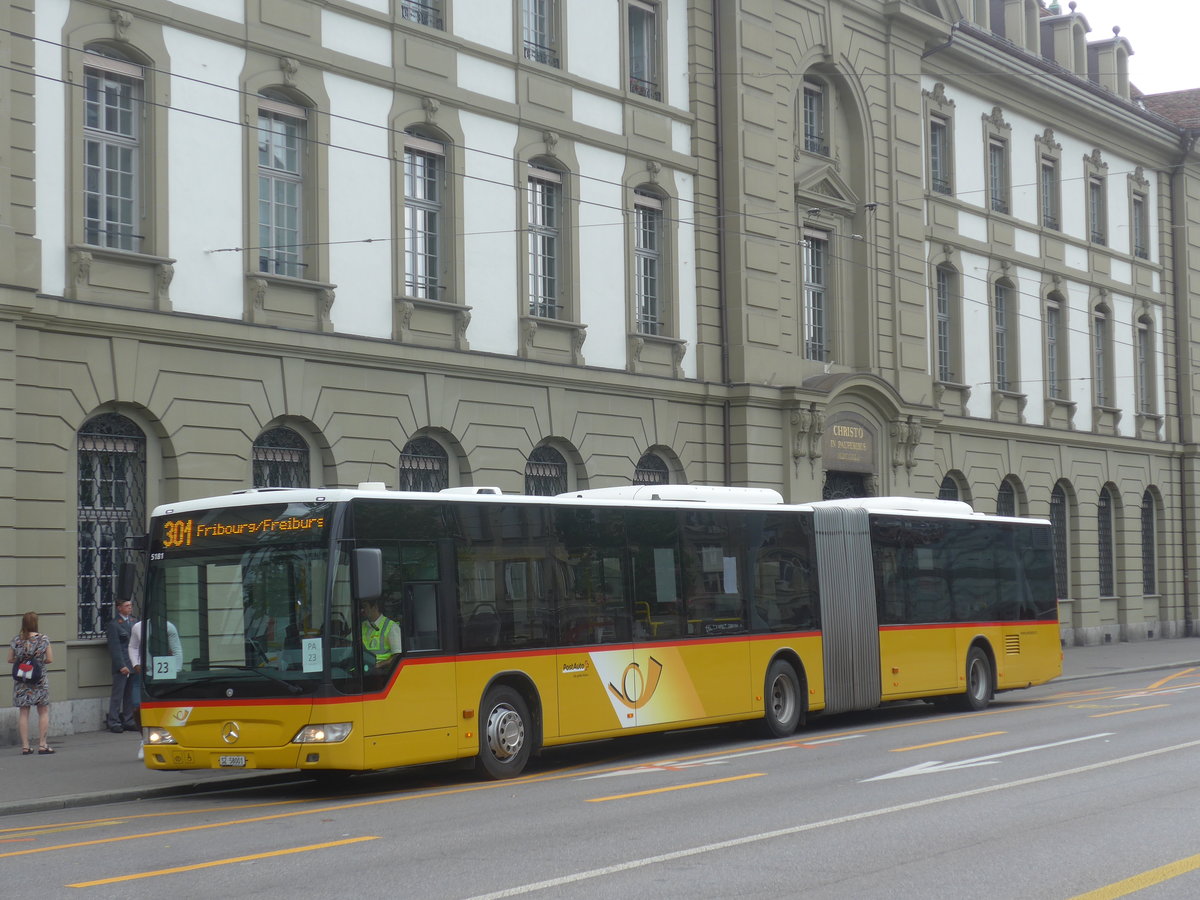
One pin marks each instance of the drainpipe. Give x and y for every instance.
(722, 306)
(1182, 351)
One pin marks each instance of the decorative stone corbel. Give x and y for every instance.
(528, 330)
(122, 22)
(578, 336)
(290, 68)
(462, 319)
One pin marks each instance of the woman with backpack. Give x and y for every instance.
(30, 654)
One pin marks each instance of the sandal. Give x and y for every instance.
(44, 750)
(25, 751)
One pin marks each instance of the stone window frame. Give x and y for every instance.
(939, 111)
(1095, 187)
(997, 144)
(1049, 158)
(649, 202)
(1056, 344)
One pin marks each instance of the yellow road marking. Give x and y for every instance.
(1121, 712)
(1146, 879)
(677, 787)
(1163, 681)
(970, 737)
(220, 862)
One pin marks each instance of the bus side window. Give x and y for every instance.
(421, 617)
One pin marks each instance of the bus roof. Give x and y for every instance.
(674, 496)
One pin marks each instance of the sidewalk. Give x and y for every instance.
(99, 767)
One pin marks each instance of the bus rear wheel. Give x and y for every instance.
(784, 702)
(505, 736)
(979, 681)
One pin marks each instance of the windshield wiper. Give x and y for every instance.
(201, 677)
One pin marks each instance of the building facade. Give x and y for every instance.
(833, 248)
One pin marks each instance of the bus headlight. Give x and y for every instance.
(158, 736)
(333, 733)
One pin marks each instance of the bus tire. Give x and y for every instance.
(505, 733)
(979, 681)
(784, 703)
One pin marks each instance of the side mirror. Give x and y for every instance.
(366, 577)
(126, 574)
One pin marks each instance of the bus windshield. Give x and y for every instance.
(236, 603)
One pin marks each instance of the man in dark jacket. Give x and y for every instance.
(123, 702)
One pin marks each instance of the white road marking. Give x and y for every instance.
(577, 877)
(927, 768)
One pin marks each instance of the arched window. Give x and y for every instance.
(1102, 375)
(1004, 335)
(424, 466)
(648, 299)
(652, 469)
(946, 326)
(546, 241)
(111, 493)
(1149, 545)
(948, 489)
(1104, 543)
(1006, 499)
(1059, 529)
(281, 459)
(545, 472)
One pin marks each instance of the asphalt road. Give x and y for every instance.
(1081, 789)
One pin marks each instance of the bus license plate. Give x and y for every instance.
(237, 762)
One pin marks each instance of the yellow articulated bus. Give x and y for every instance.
(347, 630)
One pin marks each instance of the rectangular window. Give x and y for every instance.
(424, 172)
(1141, 227)
(112, 110)
(1100, 358)
(814, 118)
(939, 156)
(281, 130)
(1097, 214)
(1000, 336)
(944, 334)
(647, 256)
(1048, 187)
(539, 28)
(816, 256)
(423, 12)
(1053, 362)
(998, 174)
(643, 50)
(545, 211)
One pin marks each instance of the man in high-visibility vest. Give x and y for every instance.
(380, 635)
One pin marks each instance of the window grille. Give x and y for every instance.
(427, 14)
(111, 513)
(281, 459)
(1058, 528)
(545, 473)
(948, 490)
(651, 469)
(1149, 546)
(1104, 541)
(1006, 500)
(424, 466)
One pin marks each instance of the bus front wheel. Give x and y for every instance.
(505, 738)
(784, 702)
(979, 681)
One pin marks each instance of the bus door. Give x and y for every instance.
(598, 684)
(849, 619)
(409, 699)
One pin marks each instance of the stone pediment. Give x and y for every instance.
(825, 188)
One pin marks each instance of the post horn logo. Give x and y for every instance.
(637, 687)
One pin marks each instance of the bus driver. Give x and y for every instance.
(380, 635)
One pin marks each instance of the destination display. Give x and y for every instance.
(239, 526)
